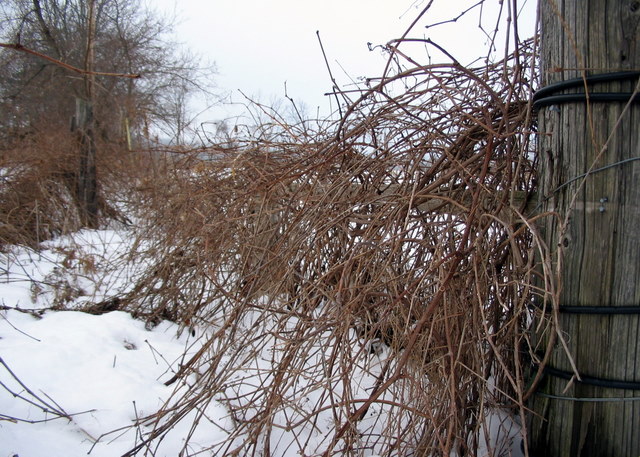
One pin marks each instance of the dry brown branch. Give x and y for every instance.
(21, 48)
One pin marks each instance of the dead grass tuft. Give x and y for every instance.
(38, 195)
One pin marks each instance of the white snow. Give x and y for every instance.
(74, 384)
(102, 371)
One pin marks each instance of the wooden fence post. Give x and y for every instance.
(590, 176)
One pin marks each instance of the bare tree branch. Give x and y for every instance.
(21, 48)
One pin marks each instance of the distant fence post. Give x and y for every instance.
(590, 176)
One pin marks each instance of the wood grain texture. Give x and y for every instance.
(600, 242)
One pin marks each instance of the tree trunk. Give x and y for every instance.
(589, 177)
(86, 183)
(87, 175)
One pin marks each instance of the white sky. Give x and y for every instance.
(257, 45)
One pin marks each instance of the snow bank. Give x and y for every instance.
(103, 371)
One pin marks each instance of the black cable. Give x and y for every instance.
(593, 97)
(567, 309)
(579, 82)
(548, 94)
(592, 380)
(598, 310)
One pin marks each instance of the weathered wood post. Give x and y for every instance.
(589, 148)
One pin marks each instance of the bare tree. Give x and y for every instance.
(127, 38)
(75, 51)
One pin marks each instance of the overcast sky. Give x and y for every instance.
(258, 45)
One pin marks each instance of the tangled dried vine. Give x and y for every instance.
(376, 275)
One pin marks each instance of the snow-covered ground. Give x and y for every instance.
(73, 383)
(102, 371)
